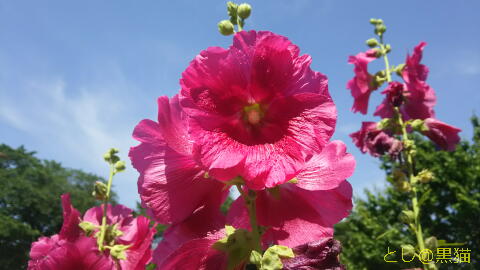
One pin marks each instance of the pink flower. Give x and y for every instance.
(362, 84)
(72, 249)
(320, 254)
(136, 233)
(319, 200)
(258, 111)
(375, 141)
(442, 134)
(68, 249)
(419, 97)
(172, 185)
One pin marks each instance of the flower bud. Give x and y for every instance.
(431, 243)
(425, 176)
(419, 125)
(375, 21)
(380, 29)
(100, 190)
(388, 48)
(119, 166)
(407, 217)
(403, 186)
(408, 250)
(232, 9)
(399, 69)
(384, 124)
(244, 10)
(225, 27)
(372, 42)
(87, 227)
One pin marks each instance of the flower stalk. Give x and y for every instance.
(249, 198)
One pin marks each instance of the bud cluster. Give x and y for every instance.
(238, 13)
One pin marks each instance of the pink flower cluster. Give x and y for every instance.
(254, 115)
(74, 249)
(414, 99)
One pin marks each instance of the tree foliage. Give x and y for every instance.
(450, 209)
(30, 206)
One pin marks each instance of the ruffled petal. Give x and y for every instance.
(327, 169)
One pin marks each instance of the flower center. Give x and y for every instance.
(253, 113)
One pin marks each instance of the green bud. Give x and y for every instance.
(388, 48)
(244, 10)
(373, 42)
(225, 27)
(380, 29)
(119, 166)
(119, 251)
(384, 124)
(100, 190)
(425, 176)
(107, 157)
(408, 250)
(374, 21)
(403, 186)
(431, 243)
(407, 217)
(110, 156)
(232, 11)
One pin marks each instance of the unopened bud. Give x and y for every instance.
(408, 250)
(100, 190)
(119, 166)
(431, 243)
(375, 21)
(384, 124)
(380, 29)
(225, 27)
(372, 42)
(388, 48)
(398, 175)
(407, 217)
(399, 69)
(232, 9)
(419, 125)
(403, 186)
(425, 176)
(244, 10)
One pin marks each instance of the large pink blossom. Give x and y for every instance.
(362, 84)
(136, 233)
(442, 134)
(258, 111)
(172, 185)
(375, 141)
(418, 97)
(320, 198)
(69, 249)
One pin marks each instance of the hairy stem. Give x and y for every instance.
(103, 227)
(250, 201)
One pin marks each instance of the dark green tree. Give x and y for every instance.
(450, 206)
(30, 204)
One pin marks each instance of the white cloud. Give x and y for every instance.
(76, 126)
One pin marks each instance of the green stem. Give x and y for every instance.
(103, 227)
(412, 180)
(250, 202)
(385, 58)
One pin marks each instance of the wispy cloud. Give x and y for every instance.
(75, 125)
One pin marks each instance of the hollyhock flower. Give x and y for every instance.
(258, 111)
(318, 200)
(68, 249)
(136, 233)
(363, 83)
(320, 254)
(375, 141)
(419, 97)
(171, 184)
(442, 134)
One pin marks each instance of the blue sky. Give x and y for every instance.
(76, 76)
